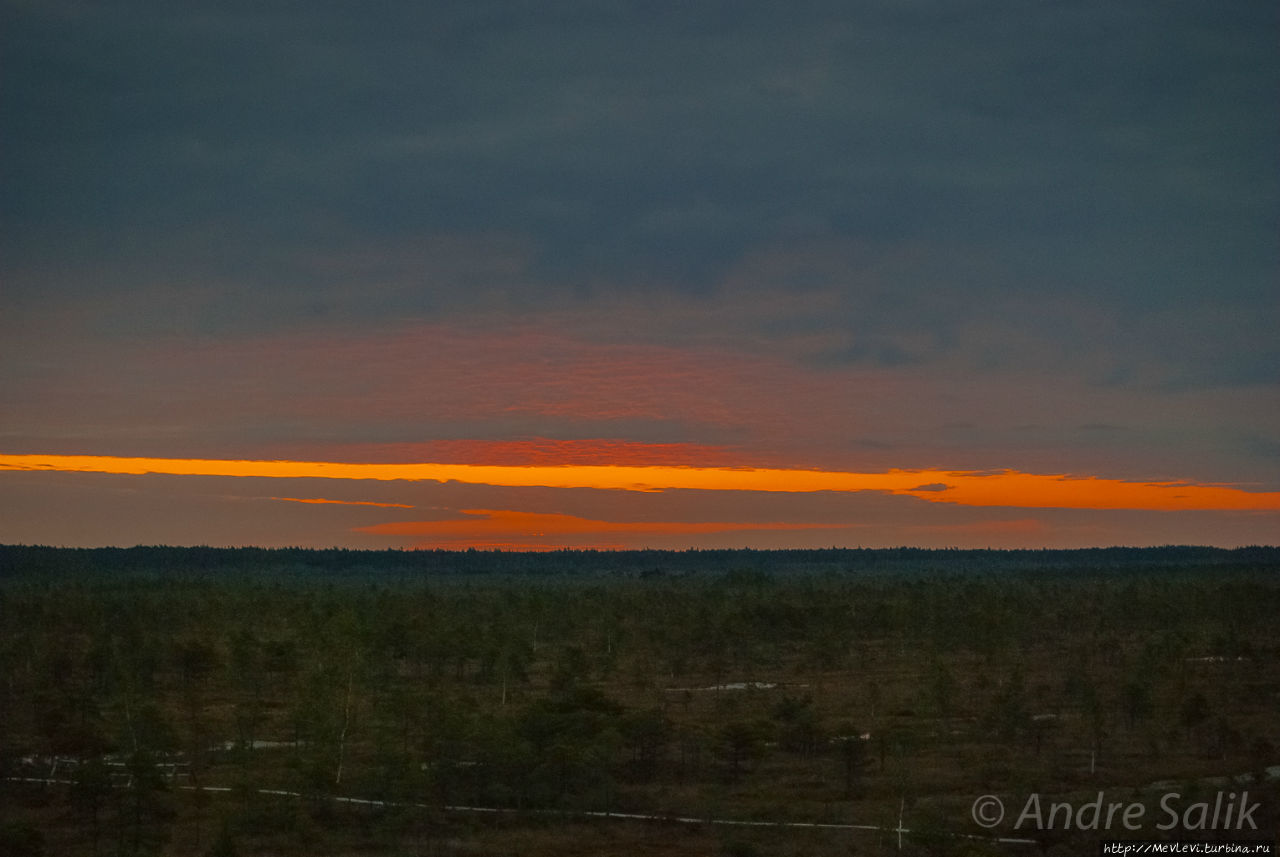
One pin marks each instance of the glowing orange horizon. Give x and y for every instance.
(966, 488)
(516, 547)
(557, 524)
(501, 528)
(512, 530)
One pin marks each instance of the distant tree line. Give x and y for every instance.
(42, 561)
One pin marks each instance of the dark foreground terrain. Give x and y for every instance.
(252, 702)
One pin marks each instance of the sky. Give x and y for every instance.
(608, 274)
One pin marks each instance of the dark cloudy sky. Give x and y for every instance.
(1036, 241)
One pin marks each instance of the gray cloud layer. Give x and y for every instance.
(1000, 181)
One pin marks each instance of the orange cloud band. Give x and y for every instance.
(968, 488)
(321, 500)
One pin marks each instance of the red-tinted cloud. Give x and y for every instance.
(431, 392)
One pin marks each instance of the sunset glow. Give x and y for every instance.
(457, 258)
(1003, 488)
(502, 528)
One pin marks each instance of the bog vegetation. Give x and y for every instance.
(201, 701)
